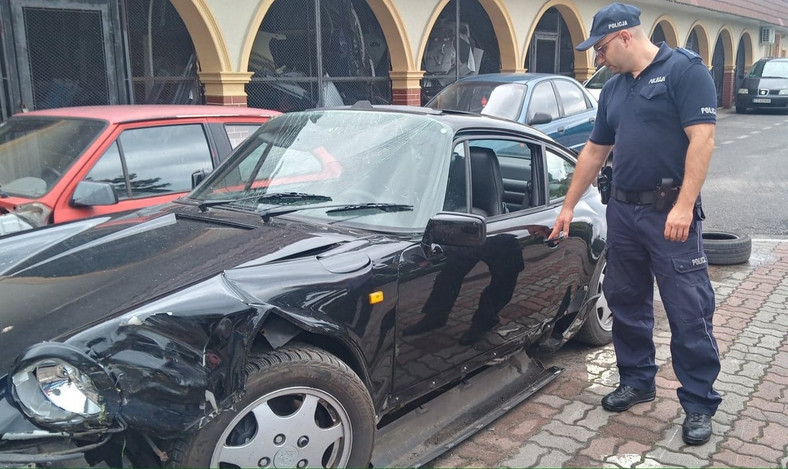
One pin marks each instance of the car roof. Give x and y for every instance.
(509, 77)
(122, 113)
(457, 120)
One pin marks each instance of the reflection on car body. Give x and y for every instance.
(341, 268)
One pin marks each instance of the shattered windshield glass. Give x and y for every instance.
(36, 151)
(352, 158)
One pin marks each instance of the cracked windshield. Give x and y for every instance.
(371, 169)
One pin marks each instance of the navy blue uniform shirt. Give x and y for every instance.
(645, 117)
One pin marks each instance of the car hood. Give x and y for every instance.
(61, 279)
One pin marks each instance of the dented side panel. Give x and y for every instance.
(179, 361)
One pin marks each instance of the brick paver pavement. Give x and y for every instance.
(564, 425)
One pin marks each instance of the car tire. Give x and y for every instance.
(726, 248)
(597, 329)
(280, 385)
(741, 109)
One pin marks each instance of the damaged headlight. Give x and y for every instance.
(59, 387)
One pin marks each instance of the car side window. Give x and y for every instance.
(543, 101)
(456, 199)
(598, 79)
(572, 98)
(109, 168)
(158, 160)
(161, 160)
(237, 133)
(559, 174)
(511, 188)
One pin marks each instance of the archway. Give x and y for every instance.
(572, 32)
(504, 31)
(308, 53)
(405, 75)
(462, 41)
(744, 54)
(205, 34)
(665, 30)
(162, 52)
(222, 84)
(698, 41)
(551, 49)
(722, 68)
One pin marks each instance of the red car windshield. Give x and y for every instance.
(36, 151)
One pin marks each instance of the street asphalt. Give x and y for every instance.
(564, 424)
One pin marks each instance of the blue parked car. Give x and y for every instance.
(557, 105)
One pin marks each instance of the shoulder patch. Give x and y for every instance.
(689, 53)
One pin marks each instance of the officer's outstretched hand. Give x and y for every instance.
(562, 222)
(678, 224)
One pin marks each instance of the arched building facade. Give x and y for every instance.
(296, 54)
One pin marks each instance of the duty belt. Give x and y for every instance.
(633, 197)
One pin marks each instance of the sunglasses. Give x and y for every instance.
(600, 51)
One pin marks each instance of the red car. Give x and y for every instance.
(64, 164)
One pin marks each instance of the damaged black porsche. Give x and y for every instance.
(351, 287)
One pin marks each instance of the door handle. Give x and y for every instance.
(561, 130)
(552, 243)
(592, 119)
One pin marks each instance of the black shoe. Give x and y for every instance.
(625, 397)
(425, 325)
(696, 428)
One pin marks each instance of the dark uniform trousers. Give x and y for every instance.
(637, 252)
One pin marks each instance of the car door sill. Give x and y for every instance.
(439, 425)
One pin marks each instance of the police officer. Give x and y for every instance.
(660, 112)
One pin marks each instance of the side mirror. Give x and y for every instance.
(540, 118)
(455, 229)
(92, 193)
(198, 176)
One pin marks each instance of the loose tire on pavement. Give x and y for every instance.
(597, 330)
(303, 407)
(726, 248)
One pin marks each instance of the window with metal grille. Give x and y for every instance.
(302, 59)
(55, 38)
(453, 52)
(163, 62)
(5, 98)
(551, 49)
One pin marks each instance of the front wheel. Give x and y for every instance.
(303, 407)
(598, 327)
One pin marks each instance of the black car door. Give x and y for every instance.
(458, 305)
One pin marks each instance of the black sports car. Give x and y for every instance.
(347, 276)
